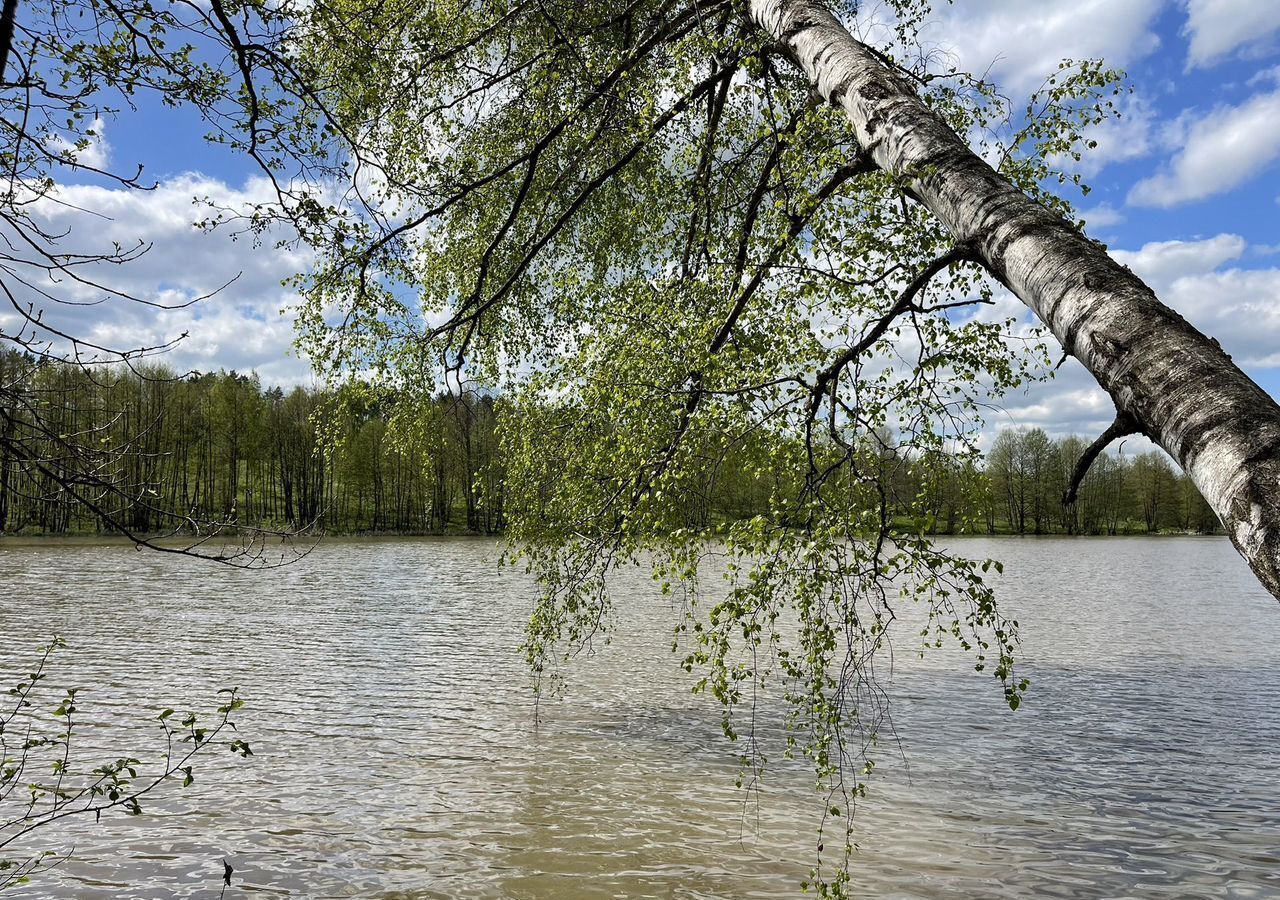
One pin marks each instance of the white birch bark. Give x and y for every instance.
(1178, 384)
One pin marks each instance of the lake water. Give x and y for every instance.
(397, 753)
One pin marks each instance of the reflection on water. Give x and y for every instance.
(396, 753)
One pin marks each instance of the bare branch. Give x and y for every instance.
(1123, 425)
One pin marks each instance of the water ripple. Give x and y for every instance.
(397, 753)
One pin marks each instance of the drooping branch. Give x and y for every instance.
(904, 303)
(700, 182)
(1175, 382)
(697, 388)
(665, 30)
(473, 307)
(1123, 425)
(798, 223)
(825, 385)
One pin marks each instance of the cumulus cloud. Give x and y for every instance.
(95, 153)
(1103, 215)
(1238, 306)
(1216, 29)
(1162, 263)
(1019, 48)
(1203, 280)
(1021, 43)
(1221, 150)
(239, 327)
(1127, 136)
(1072, 403)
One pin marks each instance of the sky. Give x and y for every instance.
(1186, 192)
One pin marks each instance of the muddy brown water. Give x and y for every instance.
(397, 753)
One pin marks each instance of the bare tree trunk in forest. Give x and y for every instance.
(464, 418)
(286, 483)
(1180, 387)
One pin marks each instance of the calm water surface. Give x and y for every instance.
(397, 755)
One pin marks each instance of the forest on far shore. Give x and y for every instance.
(155, 452)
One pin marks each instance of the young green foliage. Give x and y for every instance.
(637, 225)
(43, 781)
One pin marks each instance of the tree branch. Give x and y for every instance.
(1124, 424)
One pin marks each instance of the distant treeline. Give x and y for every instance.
(98, 450)
(1027, 473)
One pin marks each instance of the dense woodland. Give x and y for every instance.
(154, 452)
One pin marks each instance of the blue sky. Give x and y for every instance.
(1186, 190)
(1186, 184)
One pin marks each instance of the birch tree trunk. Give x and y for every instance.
(1178, 385)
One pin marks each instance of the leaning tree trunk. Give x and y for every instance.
(1177, 384)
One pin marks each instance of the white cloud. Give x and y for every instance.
(1222, 150)
(1216, 29)
(95, 154)
(1163, 262)
(1126, 137)
(240, 327)
(1021, 43)
(1129, 135)
(1266, 76)
(1019, 48)
(1072, 403)
(1103, 215)
(1240, 307)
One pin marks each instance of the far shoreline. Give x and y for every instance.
(19, 540)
